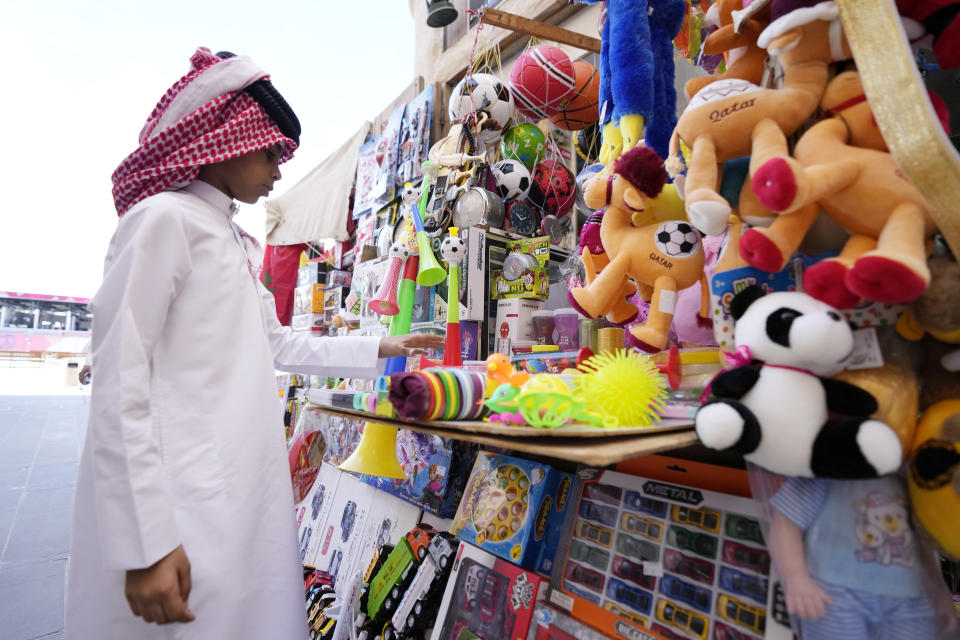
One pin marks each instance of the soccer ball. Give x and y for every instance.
(482, 92)
(452, 249)
(677, 239)
(512, 179)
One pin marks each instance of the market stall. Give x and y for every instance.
(692, 263)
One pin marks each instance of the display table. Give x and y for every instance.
(583, 443)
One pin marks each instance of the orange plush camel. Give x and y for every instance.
(662, 257)
(744, 59)
(717, 124)
(842, 164)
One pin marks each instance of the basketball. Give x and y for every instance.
(541, 80)
(583, 106)
(553, 188)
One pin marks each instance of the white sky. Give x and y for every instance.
(80, 78)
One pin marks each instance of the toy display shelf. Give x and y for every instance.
(583, 443)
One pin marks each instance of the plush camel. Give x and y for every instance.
(717, 124)
(662, 257)
(842, 164)
(745, 60)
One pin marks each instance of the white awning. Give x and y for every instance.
(317, 207)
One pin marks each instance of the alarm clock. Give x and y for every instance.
(523, 218)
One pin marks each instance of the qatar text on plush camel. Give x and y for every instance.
(634, 252)
(842, 164)
(716, 125)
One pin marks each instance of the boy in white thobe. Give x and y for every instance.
(184, 508)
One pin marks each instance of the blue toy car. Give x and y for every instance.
(634, 598)
(598, 513)
(335, 558)
(637, 502)
(304, 541)
(696, 597)
(753, 587)
(346, 522)
(317, 500)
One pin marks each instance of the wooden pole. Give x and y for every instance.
(540, 30)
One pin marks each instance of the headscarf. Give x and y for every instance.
(221, 109)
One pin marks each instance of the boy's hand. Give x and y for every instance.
(409, 345)
(159, 592)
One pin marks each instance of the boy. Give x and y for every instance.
(184, 509)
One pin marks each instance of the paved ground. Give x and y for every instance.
(40, 440)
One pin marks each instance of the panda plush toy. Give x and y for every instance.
(780, 409)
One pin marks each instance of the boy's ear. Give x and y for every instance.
(742, 301)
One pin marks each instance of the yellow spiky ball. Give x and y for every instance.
(624, 385)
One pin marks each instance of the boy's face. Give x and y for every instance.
(247, 178)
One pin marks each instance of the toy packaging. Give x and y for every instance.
(528, 278)
(316, 298)
(513, 508)
(487, 597)
(674, 560)
(514, 323)
(552, 624)
(321, 273)
(436, 471)
(313, 510)
(482, 245)
(414, 137)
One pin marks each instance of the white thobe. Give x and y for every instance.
(184, 445)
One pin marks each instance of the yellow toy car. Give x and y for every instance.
(745, 615)
(646, 527)
(594, 533)
(623, 613)
(706, 519)
(682, 619)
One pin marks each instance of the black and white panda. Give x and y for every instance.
(776, 410)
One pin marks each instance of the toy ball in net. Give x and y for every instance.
(482, 92)
(587, 142)
(541, 80)
(553, 188)
(585, 174)
(511, 178)
(583, 106)
(624, 385)
(524, 142)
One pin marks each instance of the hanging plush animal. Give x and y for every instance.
(777, 408)
(636, 74)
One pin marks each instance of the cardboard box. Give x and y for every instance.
(487, 597)
(316, 298)
(553, 624)
(514, 322)
(316, 322)
(322, 273)
(643, 555)
(534, 281)
(485, 249)
(514, 508)
(313, 510)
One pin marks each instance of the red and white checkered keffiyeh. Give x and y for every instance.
(214, 128)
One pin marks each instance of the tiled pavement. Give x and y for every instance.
(40, 441)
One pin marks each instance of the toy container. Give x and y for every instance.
(514, 508)
(567, 324)
(487, 597)
(543, 326)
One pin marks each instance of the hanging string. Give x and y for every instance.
(473, 52)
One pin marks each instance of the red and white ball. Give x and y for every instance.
(541, 81)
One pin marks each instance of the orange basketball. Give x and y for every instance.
(583, 107)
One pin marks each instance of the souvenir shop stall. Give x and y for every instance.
(695, 270)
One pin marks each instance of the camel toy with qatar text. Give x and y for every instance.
(842, 164)
(662, 258)
(806, 37)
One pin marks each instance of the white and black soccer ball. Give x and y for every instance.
(512, 179)
(482, 92)
(399, 250)
(677, 239)
(452, 249)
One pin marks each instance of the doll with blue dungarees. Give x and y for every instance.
(849, 559)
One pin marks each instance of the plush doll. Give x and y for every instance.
(745, 60)
(842, 164)
(636, 74)
(849, 560)
(778, 407)
(941, 19)
(719, 123)
(934, 482)
(665, 257)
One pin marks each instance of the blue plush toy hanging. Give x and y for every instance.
(636, 74)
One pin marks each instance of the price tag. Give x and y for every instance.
(652, 569)
(561, 599)
(866, 350)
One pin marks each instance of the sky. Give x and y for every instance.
(81, 78)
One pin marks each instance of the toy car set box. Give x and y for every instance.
(487, 597)
(514, 508)
(317, 298)
(649, 558)
(552, 624)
